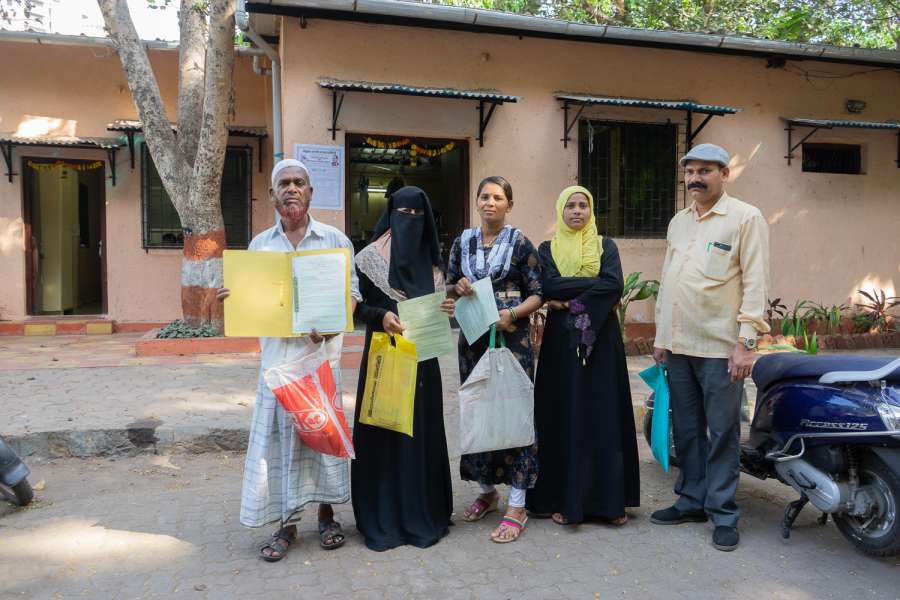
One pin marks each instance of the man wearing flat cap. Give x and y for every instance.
(281, 474)
(709, 313)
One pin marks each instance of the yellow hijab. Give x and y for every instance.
(576, 253)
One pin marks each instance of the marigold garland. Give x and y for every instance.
(97, 164)
(392, 145)
(414, 149)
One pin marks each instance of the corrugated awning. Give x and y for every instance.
(832, 123)
(710, 109)
(71, 142)
(126, 125)
(132, 126)
(411, 90)
(688, 106)
(110, 145)
(491, 97)
(817, 124)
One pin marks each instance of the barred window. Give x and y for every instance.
(630, 168)
(832, 158)
(162, 227)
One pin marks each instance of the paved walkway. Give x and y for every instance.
(165, 527)
(83, 396)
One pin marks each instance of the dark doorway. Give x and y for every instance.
(64, 202)
(379, 164)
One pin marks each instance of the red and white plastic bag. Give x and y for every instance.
(305, 388)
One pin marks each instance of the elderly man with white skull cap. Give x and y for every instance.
(281, 475)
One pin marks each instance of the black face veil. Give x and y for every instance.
(414, 242)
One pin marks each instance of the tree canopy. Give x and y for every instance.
(863, 23)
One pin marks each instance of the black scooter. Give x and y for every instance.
(14, 484)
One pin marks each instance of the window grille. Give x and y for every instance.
(162, 226)
(630, 168)
(832, 158)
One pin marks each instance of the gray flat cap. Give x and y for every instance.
(707, 152)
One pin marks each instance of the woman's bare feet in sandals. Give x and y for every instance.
(618, 521)
(276, 548)
(484, 504)
(511, 526)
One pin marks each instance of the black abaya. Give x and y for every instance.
(582, 409)
(401, 485)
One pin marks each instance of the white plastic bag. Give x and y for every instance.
(496, 403)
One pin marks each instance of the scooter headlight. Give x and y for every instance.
(890, 414)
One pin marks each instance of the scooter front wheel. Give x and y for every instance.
(878, 531)
(20, 494)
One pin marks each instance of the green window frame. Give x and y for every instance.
(161, 226)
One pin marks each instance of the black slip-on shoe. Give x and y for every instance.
(725, 538)
(673, 516)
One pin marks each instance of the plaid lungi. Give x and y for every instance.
(281, 475)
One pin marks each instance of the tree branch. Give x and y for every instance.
(191, 74)
(147, 98)
(206, 182)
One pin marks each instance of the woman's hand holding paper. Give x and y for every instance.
(463, 288)
(448, 306)
(391, 324)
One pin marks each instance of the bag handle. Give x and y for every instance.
(492, 342)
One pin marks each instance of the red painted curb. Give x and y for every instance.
(135, 327)
(148, 345)
(12, 329)
(63, 328)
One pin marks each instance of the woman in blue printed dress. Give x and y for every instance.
(503, 253)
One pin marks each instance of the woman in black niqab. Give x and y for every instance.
(414, 238)
(401, 485)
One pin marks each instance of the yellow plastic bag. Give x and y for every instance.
(390, 394)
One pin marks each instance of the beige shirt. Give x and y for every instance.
(715, 279)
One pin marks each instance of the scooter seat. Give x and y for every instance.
(774, 368)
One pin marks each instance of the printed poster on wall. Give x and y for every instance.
(326, 170)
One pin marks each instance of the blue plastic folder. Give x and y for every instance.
(655, 377)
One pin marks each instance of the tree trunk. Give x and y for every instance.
(190, 164)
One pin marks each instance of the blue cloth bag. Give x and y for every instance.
(655, 377)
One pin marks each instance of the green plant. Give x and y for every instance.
(831, 316)
(180, 329)
(876, 308)
(810, 344)
(797, 320)
(775, 309)
(634, 291)
(861, 323)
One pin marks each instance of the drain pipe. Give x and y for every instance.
(242, 18)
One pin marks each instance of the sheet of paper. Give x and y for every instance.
(321, 286)
(476, 313)
(326, 173)
(426, 326)
(260, 300)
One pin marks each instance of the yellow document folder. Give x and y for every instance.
(263, 299)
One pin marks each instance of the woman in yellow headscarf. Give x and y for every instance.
(587, 445)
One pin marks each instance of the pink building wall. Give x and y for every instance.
(830, 234)
(86, 87)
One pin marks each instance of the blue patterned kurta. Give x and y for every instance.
(515, 466)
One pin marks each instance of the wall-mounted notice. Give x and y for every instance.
(326, 172)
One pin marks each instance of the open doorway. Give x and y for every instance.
(379, 165)
(64, 202)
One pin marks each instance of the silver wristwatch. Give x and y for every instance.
(749, 343)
